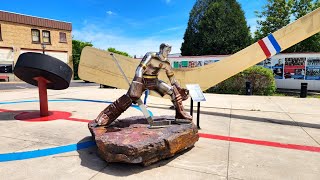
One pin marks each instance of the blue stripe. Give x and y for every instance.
(72, 100)
(45, 152)
(56, 150)
(274, 43)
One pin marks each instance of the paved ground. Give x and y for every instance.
(23, 85)
(242, 137)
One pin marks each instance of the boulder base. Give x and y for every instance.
(131, 141)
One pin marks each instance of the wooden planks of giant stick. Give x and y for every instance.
(97, 65)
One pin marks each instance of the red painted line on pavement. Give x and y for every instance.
(261, 143)
(202, 135)
(5, 110)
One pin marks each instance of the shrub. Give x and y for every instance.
(261, 78)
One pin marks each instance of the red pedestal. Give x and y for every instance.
(42, 86)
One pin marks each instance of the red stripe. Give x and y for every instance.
(262, 143)
(264, 48)
(233, 139)
(5, 110)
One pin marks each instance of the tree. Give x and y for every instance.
(275, 15)
(77, 47)
(216, 27)
(311, 44)
(111, 49)
(191, 37)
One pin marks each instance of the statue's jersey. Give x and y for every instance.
(151, 64)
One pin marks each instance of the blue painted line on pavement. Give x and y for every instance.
(70, 100)
(45, 152)
(56, 150)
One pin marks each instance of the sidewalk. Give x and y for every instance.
(242, 137)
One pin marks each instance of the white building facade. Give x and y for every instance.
(289, 69)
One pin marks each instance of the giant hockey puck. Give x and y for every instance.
(32, 65)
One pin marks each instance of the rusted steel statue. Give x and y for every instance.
(146, 77)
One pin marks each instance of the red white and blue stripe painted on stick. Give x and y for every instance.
(269, 45)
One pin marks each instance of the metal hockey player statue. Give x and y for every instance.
(146, 77)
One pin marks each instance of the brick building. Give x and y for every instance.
(22, 33)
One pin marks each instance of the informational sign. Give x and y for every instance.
(195, 92)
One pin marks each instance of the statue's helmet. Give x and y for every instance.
(165, 49)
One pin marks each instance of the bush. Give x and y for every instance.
(261, 78)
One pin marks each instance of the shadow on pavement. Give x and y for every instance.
(252, 118)
(90, 159)
(8, 115)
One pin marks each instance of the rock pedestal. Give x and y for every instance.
(131, 141)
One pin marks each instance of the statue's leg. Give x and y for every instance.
(175, 98)
(114, 110)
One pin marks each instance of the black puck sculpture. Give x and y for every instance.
(43, 71)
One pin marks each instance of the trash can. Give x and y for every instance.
(304, 90)
(248, 88)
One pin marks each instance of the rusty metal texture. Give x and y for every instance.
(130, 141)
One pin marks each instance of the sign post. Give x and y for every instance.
(196, 96)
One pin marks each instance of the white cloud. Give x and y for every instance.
(172, 29)
(104, 39)
(110, 13)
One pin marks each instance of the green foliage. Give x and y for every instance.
(311, 44)
(111, 49)
(77, 47)
(216, 27)
(276, 14)
(261, 78)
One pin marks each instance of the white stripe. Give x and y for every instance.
(269, 46)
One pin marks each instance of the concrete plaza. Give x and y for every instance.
(241, 137)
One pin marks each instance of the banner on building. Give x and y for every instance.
(313, 68)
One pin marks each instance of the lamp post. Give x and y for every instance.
(43, 47)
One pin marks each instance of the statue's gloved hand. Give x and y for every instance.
(183, 92)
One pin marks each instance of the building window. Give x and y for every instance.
(35, 33)
(46, 37)
(63, 37)
(0, 33)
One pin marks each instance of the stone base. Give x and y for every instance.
(131, 141)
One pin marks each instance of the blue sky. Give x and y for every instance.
(132, 26)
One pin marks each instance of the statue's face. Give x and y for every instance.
(166, 51)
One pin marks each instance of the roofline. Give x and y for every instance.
(34, 16)
(6, 16)
(208, 56)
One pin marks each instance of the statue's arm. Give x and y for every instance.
(143, 65)
(170, 75)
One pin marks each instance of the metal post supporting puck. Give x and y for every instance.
(43, 96)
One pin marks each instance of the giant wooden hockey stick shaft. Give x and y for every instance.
(96, 65)
(257, 52)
